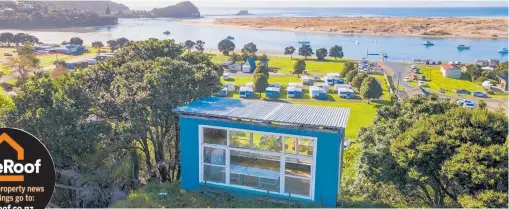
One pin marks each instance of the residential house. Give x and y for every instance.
(450, 71)
(493, 63)
(502, 82)
(482, 63)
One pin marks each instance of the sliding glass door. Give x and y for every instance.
(260, 161)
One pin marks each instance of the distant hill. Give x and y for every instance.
(91, 6)
(184, 9)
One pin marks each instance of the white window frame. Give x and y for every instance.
(282, 156)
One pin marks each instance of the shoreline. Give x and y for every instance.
(328, 25)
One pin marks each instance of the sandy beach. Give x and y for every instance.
(464, 27)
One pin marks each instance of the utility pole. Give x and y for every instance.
(399, 77)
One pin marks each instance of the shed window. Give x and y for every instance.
(251, 160)
(214, 136)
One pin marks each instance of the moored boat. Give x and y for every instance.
(428, 43)
(503, 50)
(461, 46)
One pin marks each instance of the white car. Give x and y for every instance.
(465, 101)
(421, 83)
(469, 105)
(406, 79)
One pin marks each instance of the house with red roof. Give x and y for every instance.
(450, 71)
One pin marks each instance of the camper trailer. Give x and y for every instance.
(346, 93)
(344, 86)
(317, 92)
(323, 86)
(246, 92)
(294, 92)
(306, 80)
(272, 92)
(229, 86)
(223, 92)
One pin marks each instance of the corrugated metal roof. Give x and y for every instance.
(317, 116)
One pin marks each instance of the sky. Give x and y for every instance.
(148, 4)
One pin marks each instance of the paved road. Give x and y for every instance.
(399, 71)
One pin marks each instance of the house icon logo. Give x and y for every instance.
(27, 172)
(4, 138)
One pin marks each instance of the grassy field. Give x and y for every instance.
(283, 64)
(361, 113)
(435, 81)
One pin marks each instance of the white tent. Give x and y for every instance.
(487, 84)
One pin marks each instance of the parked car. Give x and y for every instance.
(406, 79)
(469, 105)
(421, 83)
(416, 70)
(479, 94)
(465, 101)
(7, 54)
(462, 91)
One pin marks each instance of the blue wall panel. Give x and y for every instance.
(327, 156)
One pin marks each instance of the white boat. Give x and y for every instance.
(428, 43)
(503, 50)
(356, 42)
(461, 46)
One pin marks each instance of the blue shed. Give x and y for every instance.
(272, 92)
(253, 148)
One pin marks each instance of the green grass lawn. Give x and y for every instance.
(435, 81)
(283, 64)
(361, 113)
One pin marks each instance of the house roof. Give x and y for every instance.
(449, 66)
(285, 113)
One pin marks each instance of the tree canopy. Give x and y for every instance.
(250, 48)
(370, 88)
(358, 80)
(299, 67)
(349, 66)
(122, 41)
(199, 45)
(290, 50)
(306, 51)
(336, 52)
(260, 82)
(189, 44)
(119, 110)
(436, 154)
(321, 53)
(226, 46)
(76, 41)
